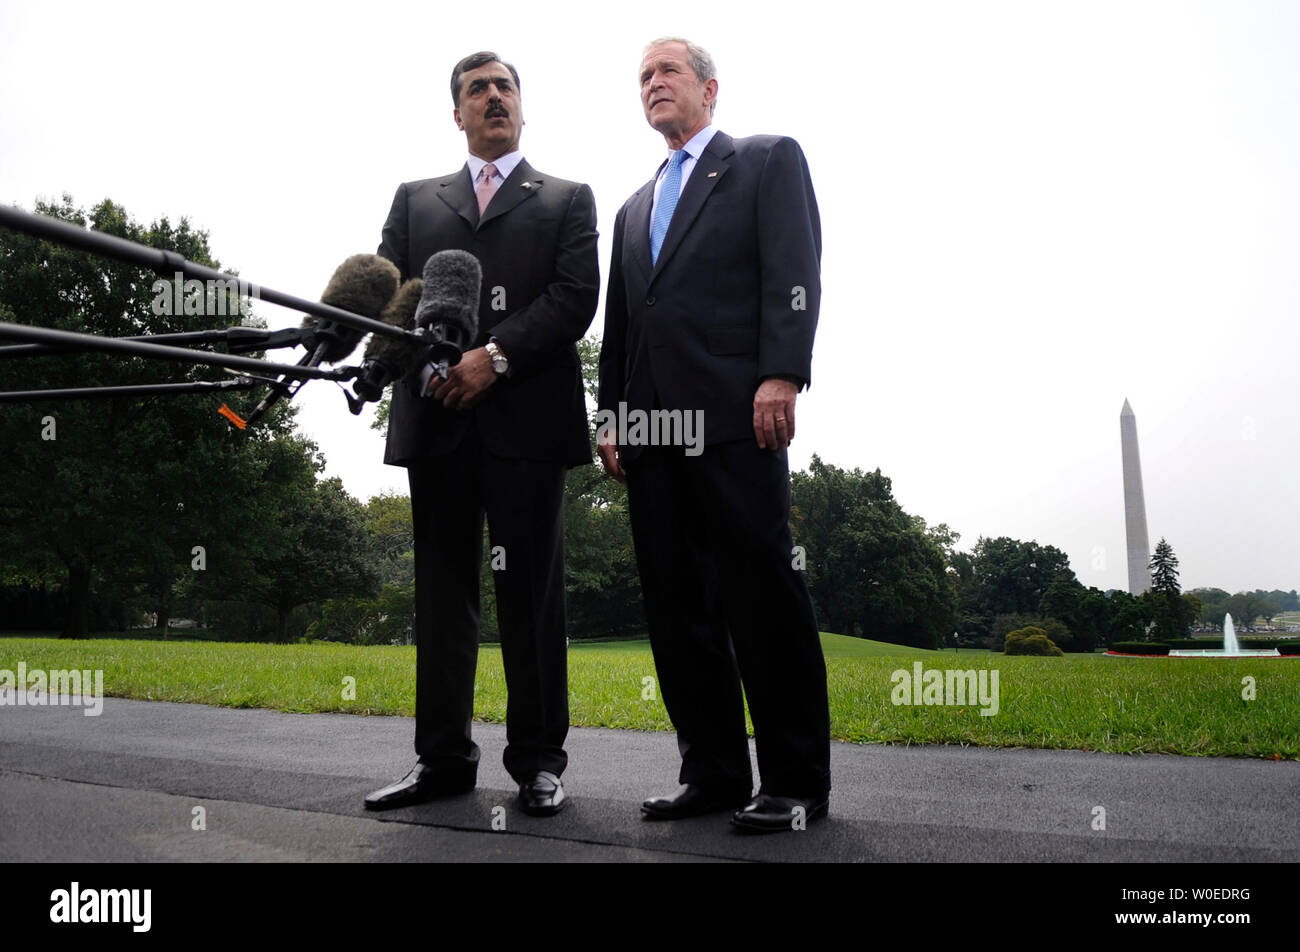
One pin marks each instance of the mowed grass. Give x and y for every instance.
(1087, 702)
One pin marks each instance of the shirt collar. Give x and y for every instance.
(699, 142)
(505, 165)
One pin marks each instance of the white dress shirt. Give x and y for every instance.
(694, 149)
(505, 165)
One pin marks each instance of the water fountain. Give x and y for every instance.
(1231, 647)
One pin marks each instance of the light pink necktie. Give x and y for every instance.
(487, 186)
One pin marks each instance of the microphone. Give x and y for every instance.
(362, 284)
(388, 358)
(449, 305)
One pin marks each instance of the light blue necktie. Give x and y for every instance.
(668, 193)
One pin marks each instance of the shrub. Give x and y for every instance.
(367, 621)
(1140, 647)
(1056, 631)
(1192, 644)
(1259, 642)
(1031, 641)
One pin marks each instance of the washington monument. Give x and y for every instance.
(1135, 507)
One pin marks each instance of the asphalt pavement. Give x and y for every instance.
(151, 781)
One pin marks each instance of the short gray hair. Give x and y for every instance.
(697, 56)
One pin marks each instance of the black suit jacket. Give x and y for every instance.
(541, 280)
(733, 297)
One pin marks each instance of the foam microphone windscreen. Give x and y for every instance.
(451, 287)
(363, 284)
(400, 312)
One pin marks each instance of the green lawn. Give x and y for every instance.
(1087, 702)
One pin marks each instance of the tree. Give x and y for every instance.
(390, 551)
(1006, 577)
(1246, 607)
(1061, 599)
(1214, 605)
(1268, 608)
(1067, 602)
(106, 499)
(941, 535)
(310, 543)
(1164, 569)
(1125, 622)
(872, 569)
(391, 538)
(603, 588)
(1167, 611)
(1285, 601)
(1093, 619)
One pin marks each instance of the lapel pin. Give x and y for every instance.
(712, 175)
(526, 185)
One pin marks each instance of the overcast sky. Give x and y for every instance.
(1031, 211)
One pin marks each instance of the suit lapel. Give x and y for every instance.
(523, 184)
(459, 196)
(637, 234)
(708, 172)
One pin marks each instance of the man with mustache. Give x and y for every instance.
(712, 304)
(495, 438)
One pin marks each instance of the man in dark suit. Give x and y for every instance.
(494, 438)
(712, 304)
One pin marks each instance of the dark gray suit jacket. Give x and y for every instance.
(733, 298)
(541, 281)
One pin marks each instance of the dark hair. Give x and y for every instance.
(474, 61)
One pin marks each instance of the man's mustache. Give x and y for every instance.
(496, 110)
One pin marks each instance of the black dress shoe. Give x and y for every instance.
(422, 783)
(691, 800)
(769, 814)
(543, 795)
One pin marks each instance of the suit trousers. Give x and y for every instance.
(725, 605)
(523, 502)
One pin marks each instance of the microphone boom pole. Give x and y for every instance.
(169, 262)
(121, 345)
(137, 390)
(237, 339)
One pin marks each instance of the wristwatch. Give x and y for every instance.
(499, 362)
